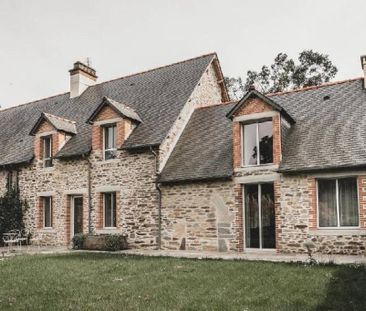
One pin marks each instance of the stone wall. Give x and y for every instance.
(199, 216)
(296, 222)
(132, 177)
(207, 92)
(59, 181)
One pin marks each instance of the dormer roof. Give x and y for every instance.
(120, 108)
(264, 98)
(59, 123)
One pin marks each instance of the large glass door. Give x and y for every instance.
(259, 216)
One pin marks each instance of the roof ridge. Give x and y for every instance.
(160, 67)
(308, 88)
(32, 102)
(123, 77)
(220, 104)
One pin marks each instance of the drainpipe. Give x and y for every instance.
(89, 194)
(158, 189)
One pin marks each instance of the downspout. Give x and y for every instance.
(89, 195)
(157, 186)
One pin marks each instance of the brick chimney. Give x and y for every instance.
(363, 65)
(81, 77)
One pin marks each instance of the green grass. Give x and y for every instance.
(83, 281)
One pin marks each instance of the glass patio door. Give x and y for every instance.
(259, 216)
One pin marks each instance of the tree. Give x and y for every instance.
(12, 209)
(285, 74)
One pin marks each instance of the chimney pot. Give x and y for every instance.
(81, 77)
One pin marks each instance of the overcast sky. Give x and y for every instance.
(40, 40)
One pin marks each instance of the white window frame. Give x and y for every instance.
(338, 227)
(115, 204)
(44, 150)
(257, 142)
(105, 127)
(44, 211)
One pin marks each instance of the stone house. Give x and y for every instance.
(164, 157)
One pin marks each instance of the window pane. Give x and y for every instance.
(268, 216)
(47, 205)
(250, 144)
(327, 203)
(47, 147)
(107, 210)
(251, 216)
(348, 205)
(266, 142)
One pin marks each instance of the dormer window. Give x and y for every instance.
(257, 143)
(110, 141)
(47, 151)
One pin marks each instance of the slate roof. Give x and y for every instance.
(121, 108)
(58, 123)
(330, 129)
(329, 133)
(157, 96)
(204, 150)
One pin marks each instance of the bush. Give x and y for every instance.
(12, 210)
(78, 241)
(115, 242)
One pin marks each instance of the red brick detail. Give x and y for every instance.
(39, 214)
(236, 144)
(239, 226)
(362, 200)
(277, 207)
(97, 137)
(45, 127)
(38, 148)
(313, 217)
(67, 219)
(55, 143)
(120, 133)
(99, 212)
(118, 208)
(253, 105)
(250, 107)
(107, 113)
(276, 124)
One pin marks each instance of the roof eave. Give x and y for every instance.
(197, 179)
(320, 169)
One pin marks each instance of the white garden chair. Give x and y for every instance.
(10, 238)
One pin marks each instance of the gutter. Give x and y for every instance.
(158, 189)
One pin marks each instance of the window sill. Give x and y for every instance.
(106, 162)
(47, 169)
(48, 230)
(108, 231)
(339, 231)
(263, 167)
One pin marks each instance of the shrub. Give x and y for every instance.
(78, 241)
(12, 209)
(115, 242)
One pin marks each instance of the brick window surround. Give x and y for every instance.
(100, 210)
(313, 217)
(255, 106)
(107, 116)
(41, 216)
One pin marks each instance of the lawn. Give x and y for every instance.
(82, 281)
